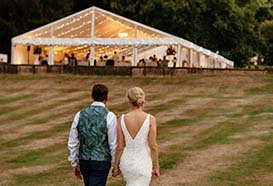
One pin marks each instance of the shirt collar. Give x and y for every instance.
(97, 103)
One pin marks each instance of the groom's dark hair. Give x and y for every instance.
(99, 92)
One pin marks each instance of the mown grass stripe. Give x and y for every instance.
(218, 134)
(259, 161)
(32, 112)
(6, 100)
(42, 156)
(36, 135)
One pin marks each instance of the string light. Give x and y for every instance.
(115, 24)
(80, 26)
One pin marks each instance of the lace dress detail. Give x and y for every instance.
(136, 161)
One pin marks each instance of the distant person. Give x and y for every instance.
(100, 60)
(141, 63)
(152, 62)
(105, 57)
(159, 63)
(87, 55)
(155, 58)
(185, 63)
(110, 62)
(115, 57)
(66, 59)
(92, 140)
(174, 61)
(72, 60)
(170, 64)
(164, 62)
(137, 151)
(39, 61)
(45, 60)
(123, 59)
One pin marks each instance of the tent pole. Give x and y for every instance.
(135, 49)
(179, 60)
(12, 53)
(51, 49)
(190, 57)
(216, 61)
(91, 56)
(51, 55)
(92, 48)
(134, 56)
(199, 59)
(200, 55)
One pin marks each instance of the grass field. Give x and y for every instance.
(213, 130)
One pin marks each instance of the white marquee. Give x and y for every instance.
(101, 32)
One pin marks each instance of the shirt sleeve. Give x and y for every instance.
(73, 142)
(112, 133)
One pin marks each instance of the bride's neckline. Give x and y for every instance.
(133, 138)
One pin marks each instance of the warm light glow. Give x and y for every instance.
(122, 34)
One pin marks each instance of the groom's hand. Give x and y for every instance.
(115, 172)
(78, 173)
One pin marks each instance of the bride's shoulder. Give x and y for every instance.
(152, 119)
(120, 116)
(126, 114)
(146, 113)
(123, 115)
(150, 115)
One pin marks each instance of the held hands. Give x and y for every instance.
(156, 173)
(77, 172)
(115, 172)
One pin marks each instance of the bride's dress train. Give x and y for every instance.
(136, 162)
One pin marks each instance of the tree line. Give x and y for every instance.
(238, 29)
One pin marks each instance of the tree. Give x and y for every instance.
(266, 31)
(19, 16)
(83, 4)
(219, 25)
(235, 28)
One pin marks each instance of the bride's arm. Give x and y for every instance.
(119, 149)
(153, 146)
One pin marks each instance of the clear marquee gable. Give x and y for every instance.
(101, 33)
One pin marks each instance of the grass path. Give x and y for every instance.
(212, 130)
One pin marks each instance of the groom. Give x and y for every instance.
(92, 140)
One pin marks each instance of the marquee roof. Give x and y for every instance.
(95, 26)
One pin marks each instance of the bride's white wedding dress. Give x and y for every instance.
(136, 162)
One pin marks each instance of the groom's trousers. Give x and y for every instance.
(94, 172)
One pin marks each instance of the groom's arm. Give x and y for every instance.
(112, 133)
(73, 142)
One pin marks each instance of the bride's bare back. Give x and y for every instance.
(134, 121)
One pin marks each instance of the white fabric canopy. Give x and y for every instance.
(99, 41)
(96, 27)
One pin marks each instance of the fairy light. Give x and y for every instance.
(123, 34)
(103, 22)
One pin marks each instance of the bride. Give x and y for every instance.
(136, 153)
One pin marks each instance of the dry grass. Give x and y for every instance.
(208, 126)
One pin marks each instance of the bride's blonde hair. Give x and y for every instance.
(136, 96)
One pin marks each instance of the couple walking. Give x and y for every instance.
(96, 138)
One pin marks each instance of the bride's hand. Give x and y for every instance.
(156, 173)
(115, 172)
